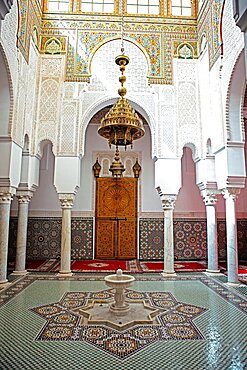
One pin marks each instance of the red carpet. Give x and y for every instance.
(34, 265)
(99, 265)
(134, 266)
(51, 265)
(156, 266)
(242, 268)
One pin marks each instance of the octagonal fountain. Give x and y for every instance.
(119, 282)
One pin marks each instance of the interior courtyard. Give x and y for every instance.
(123, 163)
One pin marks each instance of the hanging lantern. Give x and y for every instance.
(121, 125)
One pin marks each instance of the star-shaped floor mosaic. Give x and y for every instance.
(70, 319)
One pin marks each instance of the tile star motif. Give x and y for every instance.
(68, 320)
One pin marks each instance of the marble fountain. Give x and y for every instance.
(114, 309)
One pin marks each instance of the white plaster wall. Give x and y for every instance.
(241, 203)
(45, 198)
(189, 200)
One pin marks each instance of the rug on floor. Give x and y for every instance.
(104, 266)
(242, 267)
(43, 265)
(157, 266)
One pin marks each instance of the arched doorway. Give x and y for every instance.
(144, 194)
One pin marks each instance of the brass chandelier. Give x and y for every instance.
(121, 125)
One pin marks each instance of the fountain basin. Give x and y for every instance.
(119, 282)
(116, 281)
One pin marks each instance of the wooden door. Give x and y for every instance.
(116, 218)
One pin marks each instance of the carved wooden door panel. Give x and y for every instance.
(116, 218)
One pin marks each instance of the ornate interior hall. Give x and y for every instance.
(123, 146)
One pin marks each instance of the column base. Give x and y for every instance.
(65, 273)
(168, 273)
(233, 284)
(212, 271)
(4, 284)
(24, 272)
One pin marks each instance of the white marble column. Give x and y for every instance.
(24, 198)
(230, 196)
(212, 243)
(168, 203)
(5, 201)
(67, 201)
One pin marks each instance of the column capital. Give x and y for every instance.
(168, 201)
(66, 200)
(231, 193)
(24, 196)
(6, 194)
(209, 198)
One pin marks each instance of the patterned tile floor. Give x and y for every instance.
(222, 324)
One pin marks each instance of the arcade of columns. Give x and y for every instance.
(168, 204)
(168, 200)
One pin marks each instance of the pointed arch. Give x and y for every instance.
(235, 101)
(6, 95)
(127, 39)
(103, 103)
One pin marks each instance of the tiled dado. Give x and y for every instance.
(44, 238)
(190, 238)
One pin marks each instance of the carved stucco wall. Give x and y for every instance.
(20, 100)
(31, 92)
(167, 139)
(49, 104)
(8, 29)
(62, 106)
(187, 109)
(106, 72)
(8, 33)
(105, 83)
